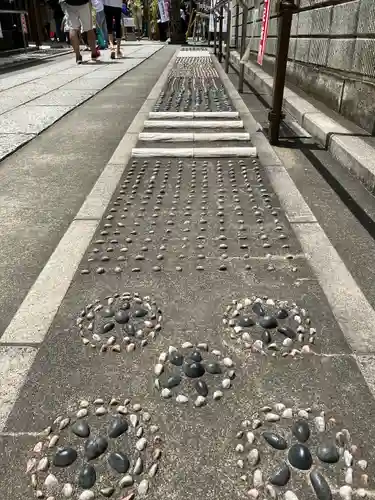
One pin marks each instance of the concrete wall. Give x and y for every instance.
(331, 53)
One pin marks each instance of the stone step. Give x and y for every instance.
(193, 136)
(221, 124)
(226, 152)
(193, 114)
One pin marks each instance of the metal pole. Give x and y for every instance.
(286, 9)
(215, 33)
(243, 46)
(221, 34)
(236, 31)
(227, 48)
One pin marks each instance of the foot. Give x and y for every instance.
(95, 55)
(119, 54)
(113, 54)
(79, 59)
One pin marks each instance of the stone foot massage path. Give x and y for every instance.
(195, 355)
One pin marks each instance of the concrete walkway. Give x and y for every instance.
(32, 101)
(194, 333)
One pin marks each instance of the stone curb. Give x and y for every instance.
(350, 151)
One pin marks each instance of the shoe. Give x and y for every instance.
(79, 59)
(119, 54)
(113, 54)
(95, 55)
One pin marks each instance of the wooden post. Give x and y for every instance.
(243, 46)
(221, 34)
(229, 29)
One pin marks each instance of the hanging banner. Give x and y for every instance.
(246, 56)
(163, 11)
(1, 32)
(24, 23)
(264, 32)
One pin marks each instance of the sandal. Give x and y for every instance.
(113, 54)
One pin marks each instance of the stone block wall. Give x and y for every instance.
(331, 52)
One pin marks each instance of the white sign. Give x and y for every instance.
(211, 23)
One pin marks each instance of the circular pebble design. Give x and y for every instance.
(269, 326)
(119, 323)
(102, 449)
(194, 374)
(282, 450)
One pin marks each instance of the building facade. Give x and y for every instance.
(331, 52)
(13, 24)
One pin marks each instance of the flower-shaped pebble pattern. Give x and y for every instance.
(119, 323)
(194, 373)
(111, 449)
(283, 450)
(268, 326)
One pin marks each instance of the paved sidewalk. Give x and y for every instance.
(197, 351)
(31, 57)
(32, 101)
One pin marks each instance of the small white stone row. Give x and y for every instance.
(193, 114)
(193, 136)
(225, 152)
(222, 124)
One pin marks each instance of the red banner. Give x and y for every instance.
(264, 32)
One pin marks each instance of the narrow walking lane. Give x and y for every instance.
(195, 352)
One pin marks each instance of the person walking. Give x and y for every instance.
(77, 15)
(113, 10)
(101, 22)
(137, 11)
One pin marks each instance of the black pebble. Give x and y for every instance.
(258, 309)
(282, 314)
(245, 322)
(201, 387)
(107, 312)
(196, 356)
(140, 313)
(276, 441)
(125, 306)
(320, 486)
(327, 452)
(95, 447)
(117, 427)
(176, 358)
(81, 429)
(288, 332)
(119, 462)
(301, 430)
(281, 477)
(87, 477)
(64, 457)
(300, 457)
(107, 327)
(266, 337)
(213, 368)
(130, 329)
(193, 370)
(173, 381)
(121, 317)
(268, 322)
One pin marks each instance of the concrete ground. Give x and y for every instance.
(222, 259)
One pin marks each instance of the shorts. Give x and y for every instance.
(77, 16)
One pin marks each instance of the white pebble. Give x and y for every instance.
(82, 413)
(240, 464)
(287, 342)
(287, 413)
(228, 362)
(99, 401)
(237, 329)
(43, 464)
(163, 357)
(122, 409)
(258, 478)
(53, 441)
(253, 457)
(279, 407)
(139, 432)
(64, 423)
(258, 346)
(38, 447)
(31, 463)
(362, 464)
(158, 369)
(361, 492)
(157, 454)
(349, 475)
(346, 492)
(171, 349)
(226, 383)
(215, 352)
(101, 411)
(253, 493)
(246, 337)
(200, 401)
(67, 490)
(303, 414)
(203, 346)
(154, 429)
(51, 482)
(217, 395)
(182, 399)
(143, 487)
(250, 436)
(141, 444)
(271, 491)
(272, 417)
(166, 393)
(83, 404)
(306, 349)
(130, 347)
(289, 495)
(111, 340)
(256, 423)
(126, 481)
(348, 458)
(187, 345)
(320, 424)
(239, 448)
(86, 495)
(134, 420)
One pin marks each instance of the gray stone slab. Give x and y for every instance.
(90, 83)
(64, 98)
(11, 142)
(32, 119)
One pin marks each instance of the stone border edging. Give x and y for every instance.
(350, 151)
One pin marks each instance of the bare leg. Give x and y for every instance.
(74, 40)
(111, 45)
(92, 43)
(119, 53)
